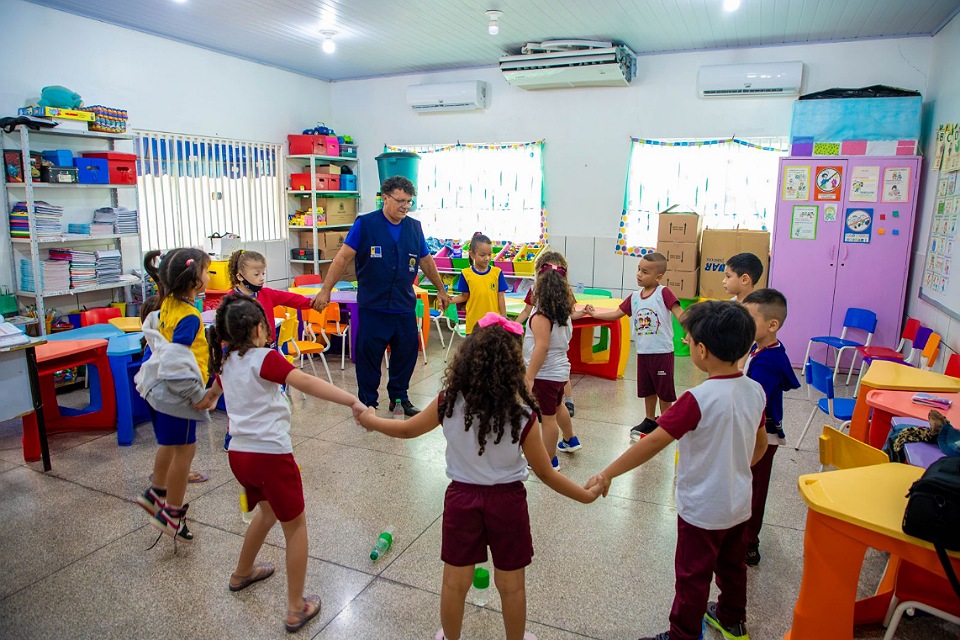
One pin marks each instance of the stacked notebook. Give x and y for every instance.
(47, 220)
(108, 266)
(54, 275)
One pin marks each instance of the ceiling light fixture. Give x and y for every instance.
(731, 5)
(494, 27)
(329, 46)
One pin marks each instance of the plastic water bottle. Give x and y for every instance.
(398, 411)
(245, 511)
(383, 544)
(481, 586)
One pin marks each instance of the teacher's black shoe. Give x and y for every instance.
(408, 409)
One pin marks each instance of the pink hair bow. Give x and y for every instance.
(491, 318)
(555, 267)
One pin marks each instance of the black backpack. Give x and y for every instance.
(933, 511)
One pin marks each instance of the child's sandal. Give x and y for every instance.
(261, 571)
(304, 616)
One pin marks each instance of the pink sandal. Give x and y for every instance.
(304, 616)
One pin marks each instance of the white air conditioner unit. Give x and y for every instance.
(752, 79)
(447, 96)
(560, 64)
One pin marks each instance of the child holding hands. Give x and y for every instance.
(720, 426)
(480, 285)
(261, 453)
(248, 273)
(490, 424)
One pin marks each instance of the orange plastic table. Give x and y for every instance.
(848, 511)
(888, 404)
(100, 415)
(890, 375)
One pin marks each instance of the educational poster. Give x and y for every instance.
(796, 183)
(941, 146)
(938, 284)
(830, 213)
(863, 184)
(896, 184)
(826, 185)
(858, 226)
(803, 223)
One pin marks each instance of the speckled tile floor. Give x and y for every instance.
(73, 546)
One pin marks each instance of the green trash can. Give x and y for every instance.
(681, 348)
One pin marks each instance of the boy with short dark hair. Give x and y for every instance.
(649, 310)
(720, 426)
(769, 365)
(741, 275)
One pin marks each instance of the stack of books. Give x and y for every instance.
(127, 221)
(47, 220)
(54, 276)
(83, 268)
(108, 266)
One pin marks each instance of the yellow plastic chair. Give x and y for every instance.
(292, 348)
(840, 451)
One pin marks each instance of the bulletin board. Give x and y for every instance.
(940, 284)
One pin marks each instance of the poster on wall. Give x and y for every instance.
(803, 223)
(830, 213)
(826, 185)
(863, 184)
(858, 226)
(896, 184)
(796, 183)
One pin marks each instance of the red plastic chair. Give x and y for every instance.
(307, 278)
(98, 316)
(908, 335)
(953, 366)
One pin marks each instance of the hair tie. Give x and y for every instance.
(554, 267)
(492, 318)
(189, 262)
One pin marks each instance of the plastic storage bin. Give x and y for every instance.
(442, 259)
(307, 145)
(525, 261)
(122, 167)
(58, 157)
(348, 182)
(398, 163)
(219, 275)
(92, 170)
(503, 258)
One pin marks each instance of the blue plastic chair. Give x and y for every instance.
(861, 319)
(820, 377)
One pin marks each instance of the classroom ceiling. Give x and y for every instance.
(387, 37)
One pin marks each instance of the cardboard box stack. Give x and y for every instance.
(678, 237)
(718, 245)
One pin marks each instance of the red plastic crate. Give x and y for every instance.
(307, 145)
(121, 167)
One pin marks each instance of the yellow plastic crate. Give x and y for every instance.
(219, 276)
(523, 264)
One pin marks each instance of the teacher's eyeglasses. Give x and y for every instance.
(403, 204)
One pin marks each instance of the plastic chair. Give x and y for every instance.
(930, 353)
(332, 326)
(307, 278)
(820, 377)
(292, 348)
(952, 368)
(423, 346)
(436, 315)
(871, 353)
(98, 316)
(914, 604)
(840, 451)
(603, 339)
(456, 327)
(861, 319)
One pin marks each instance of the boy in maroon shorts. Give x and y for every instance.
(649, 310)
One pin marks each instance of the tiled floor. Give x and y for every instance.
(75, 564)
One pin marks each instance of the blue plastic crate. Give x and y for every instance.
(59, 157)
(92, 170)
(348, 182)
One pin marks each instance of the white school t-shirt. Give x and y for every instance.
(259, 411)
(650, 320)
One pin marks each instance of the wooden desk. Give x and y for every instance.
(18, 368)
(890, 375)
(848, 511)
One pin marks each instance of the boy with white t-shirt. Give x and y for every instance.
(720, 426)
(649, 310)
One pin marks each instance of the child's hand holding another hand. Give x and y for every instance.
(366, 418)
(588, 309)
(358, 408)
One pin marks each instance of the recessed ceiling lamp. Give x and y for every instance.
(494, 27)
(731, 5)
(329, 46)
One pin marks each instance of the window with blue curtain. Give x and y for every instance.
(496, 189)
(731, 182)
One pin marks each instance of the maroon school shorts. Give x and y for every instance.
(655, 376)
(549, 395)
(477, 516)
(274, 477)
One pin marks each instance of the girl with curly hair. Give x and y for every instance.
(545, 345)
(489, 421)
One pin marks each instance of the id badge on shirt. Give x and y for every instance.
(376, 252)
(413, 262)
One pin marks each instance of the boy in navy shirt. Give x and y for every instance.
(769, 365)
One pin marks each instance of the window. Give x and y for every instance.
(732, 183)
(493, 188)
(191, 187)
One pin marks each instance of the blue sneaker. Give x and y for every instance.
(226, 441)
(569, 446)
(555, 463)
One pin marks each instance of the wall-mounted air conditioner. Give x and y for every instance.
(751, 79)
(447, 96)
(560, 64)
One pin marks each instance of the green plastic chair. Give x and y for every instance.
(598, 292)
(423, 346)
(603, 342)
(457, 328)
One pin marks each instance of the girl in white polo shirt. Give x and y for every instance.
(261, 454)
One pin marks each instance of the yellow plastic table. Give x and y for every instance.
(127, 324)
(848, 511)
(890, 375)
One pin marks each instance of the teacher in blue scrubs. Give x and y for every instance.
(388, 249)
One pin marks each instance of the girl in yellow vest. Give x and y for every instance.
(481, 286)
(181, 276)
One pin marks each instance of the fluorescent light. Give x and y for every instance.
(731, 5)
(329, 46)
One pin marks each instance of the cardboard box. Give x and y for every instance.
(718, 246)
(339, 210)
(330, 242)
(682, 283)
(349, 274)
(306, 240)
(681, 256)
(678, 226)
(56, 112)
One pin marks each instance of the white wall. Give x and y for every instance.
(587, 131)
(941, 105)
(164, 85)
